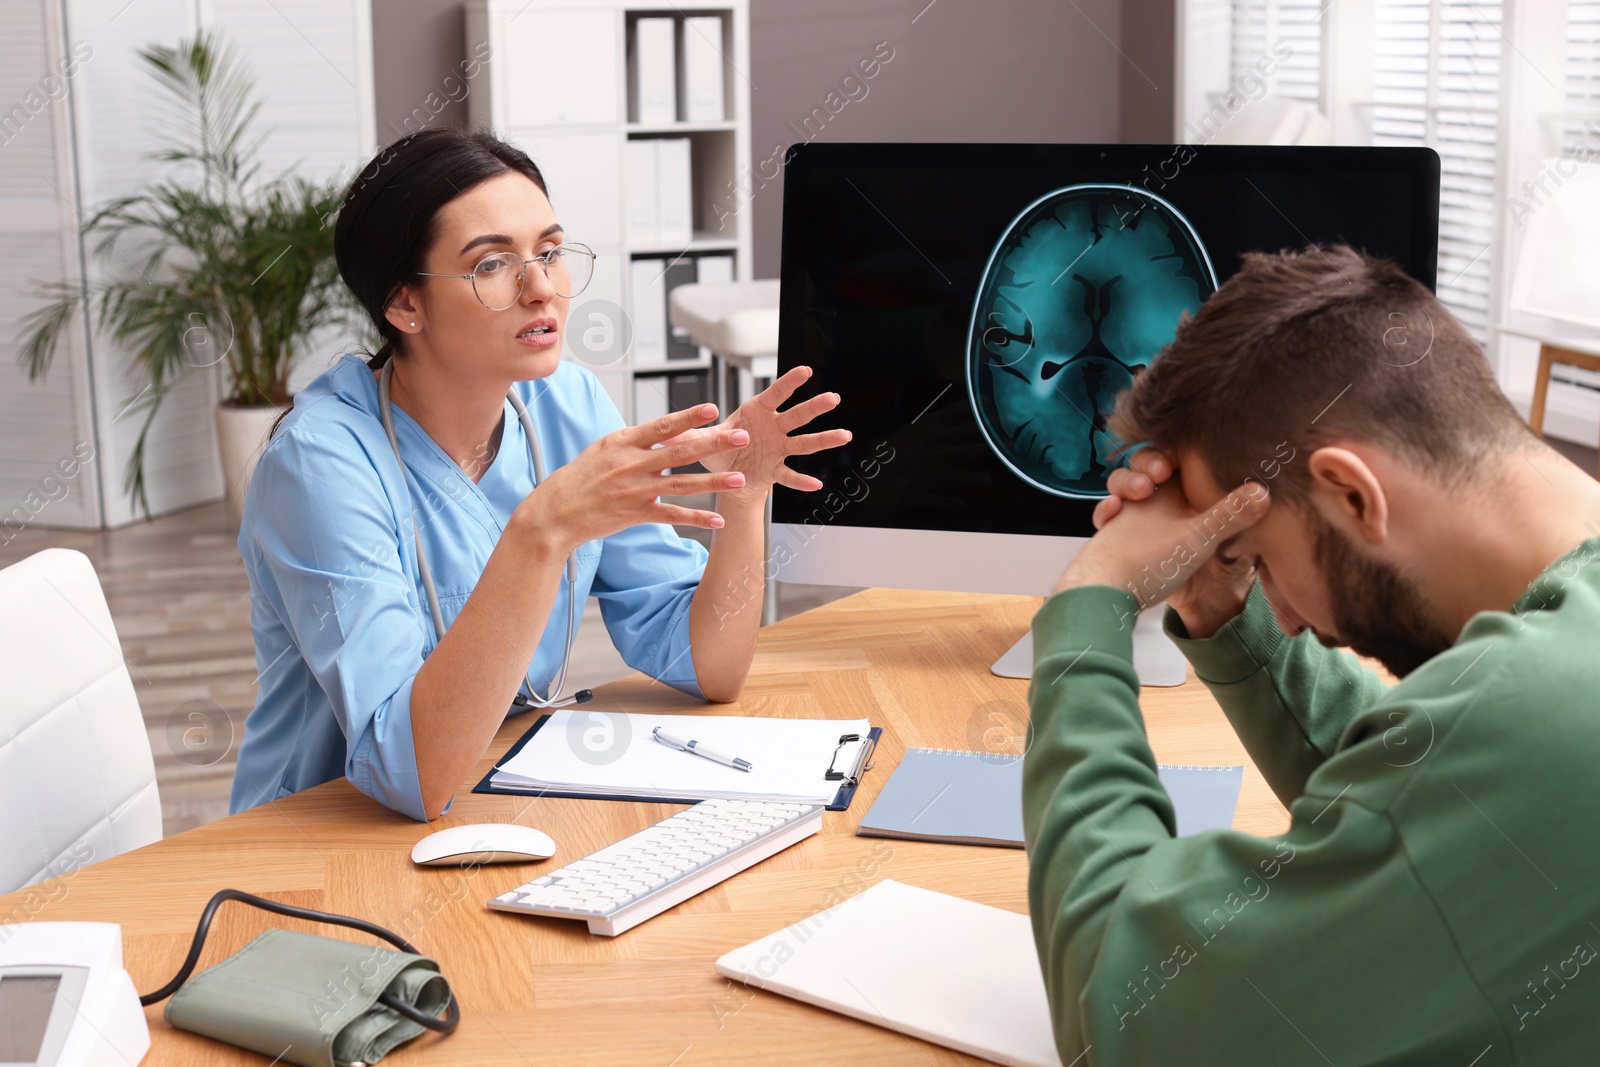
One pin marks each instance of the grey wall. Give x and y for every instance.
(1147, 90)
(996, 70)
(416, 45)
(961, 70)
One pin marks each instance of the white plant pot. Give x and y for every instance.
(241, 435)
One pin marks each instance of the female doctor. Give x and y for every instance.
(408, 582)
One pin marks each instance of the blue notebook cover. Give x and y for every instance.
(975, 798)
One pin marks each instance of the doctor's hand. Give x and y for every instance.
(762, 460)
(613, 484)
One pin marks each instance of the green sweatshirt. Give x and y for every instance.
(1435, 900)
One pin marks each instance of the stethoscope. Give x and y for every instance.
(386, 413)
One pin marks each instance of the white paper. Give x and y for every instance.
(615, 753)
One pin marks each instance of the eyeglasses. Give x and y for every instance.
(498, 279)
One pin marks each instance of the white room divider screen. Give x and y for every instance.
(71, 141)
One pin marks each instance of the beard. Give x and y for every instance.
(1377, 610)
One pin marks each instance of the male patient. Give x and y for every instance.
(1330, 463)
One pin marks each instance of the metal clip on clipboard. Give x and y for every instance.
(863, 759)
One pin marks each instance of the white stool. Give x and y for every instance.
(738, 322)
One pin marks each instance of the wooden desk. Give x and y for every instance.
(536, 991)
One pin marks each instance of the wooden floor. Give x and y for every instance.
(181, 604)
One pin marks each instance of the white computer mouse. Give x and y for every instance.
(483, 842)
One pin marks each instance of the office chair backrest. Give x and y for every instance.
(1559, 264)
(77, 781)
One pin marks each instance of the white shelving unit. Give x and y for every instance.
(558, 85)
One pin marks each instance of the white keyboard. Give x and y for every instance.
(641, 876)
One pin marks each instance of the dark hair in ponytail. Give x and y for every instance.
(389, 217)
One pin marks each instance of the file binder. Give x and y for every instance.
(701, 62)
(639, 166)
(679, 347)
(712, 270)
(655, 75)
(648, 305)
(674, 193)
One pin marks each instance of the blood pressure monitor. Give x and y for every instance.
(65, 1000)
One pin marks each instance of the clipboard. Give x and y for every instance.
(848, 781)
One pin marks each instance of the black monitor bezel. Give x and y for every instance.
(1146, 164)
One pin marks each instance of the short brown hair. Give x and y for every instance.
(1301, 349)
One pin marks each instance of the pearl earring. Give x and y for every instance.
(413, 325)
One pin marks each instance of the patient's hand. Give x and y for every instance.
(1147, 468)
(1153, 545)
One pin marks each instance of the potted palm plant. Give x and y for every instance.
(210, 266)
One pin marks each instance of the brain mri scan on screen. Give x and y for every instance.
(1081, 291)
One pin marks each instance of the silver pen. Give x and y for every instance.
(696, 748)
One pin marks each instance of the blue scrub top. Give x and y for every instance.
(340, 617)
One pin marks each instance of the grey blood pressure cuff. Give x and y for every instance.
(311, 1000)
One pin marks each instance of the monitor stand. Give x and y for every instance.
(1155, 658)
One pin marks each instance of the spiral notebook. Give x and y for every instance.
(975, 798)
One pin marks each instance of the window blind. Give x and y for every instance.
(1437, 83)
(1259, 24)
(1580, 124)
(1580, 132)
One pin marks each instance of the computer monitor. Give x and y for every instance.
(978, 307)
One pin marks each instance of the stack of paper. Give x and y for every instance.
(614, 754)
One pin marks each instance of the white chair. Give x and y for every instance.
(1275, 120)
(1558, 269)
(77, 781)
(1558, 275)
